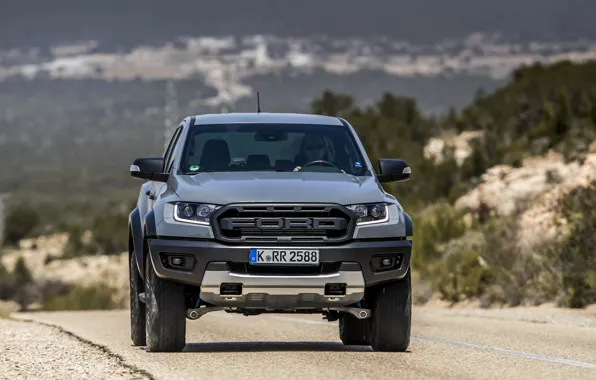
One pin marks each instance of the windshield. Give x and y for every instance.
(272, 147)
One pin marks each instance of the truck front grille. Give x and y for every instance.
(283, 224)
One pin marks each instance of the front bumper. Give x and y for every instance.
(209, 268)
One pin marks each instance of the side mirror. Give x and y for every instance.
(149, 168)
(393, 170)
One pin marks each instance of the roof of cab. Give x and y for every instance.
(264, 117)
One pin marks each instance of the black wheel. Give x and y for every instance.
(165, 312)
(137, 308)
(392, 316)
(354, 331)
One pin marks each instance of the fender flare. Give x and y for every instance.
(136, 237)
(409, 226)
(138, 234)
(148, 230)
(150, 226)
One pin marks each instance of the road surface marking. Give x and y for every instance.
(522, 354)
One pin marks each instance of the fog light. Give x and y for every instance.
(178, 261)
(386, 263)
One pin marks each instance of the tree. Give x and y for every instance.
(20, 222)
(24, 284)
(6, 283)
(564, 115)
(332, 104)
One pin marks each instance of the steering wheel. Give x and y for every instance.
(320, 162)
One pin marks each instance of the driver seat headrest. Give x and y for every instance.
(258, 162)
(215, 155)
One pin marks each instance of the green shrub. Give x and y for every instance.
(571, 262)
(437, 224)
(75, 246)
(462, 272)
(110, 232)
(513, 272)
(25, 288)
(6, 283)
(90, 297)
(18, 285)
(485, 263)
(108, 235)
(21, 273)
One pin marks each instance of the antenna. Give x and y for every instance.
(258, 103)
(170, 112)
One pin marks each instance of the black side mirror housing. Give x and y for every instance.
(149, 168)
(393, 170)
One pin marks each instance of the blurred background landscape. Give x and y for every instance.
(493, 104)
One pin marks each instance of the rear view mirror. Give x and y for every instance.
(271, 135)
(149, 168)
(393, 170)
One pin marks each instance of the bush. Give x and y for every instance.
(20, 222)
(52, 288)
(485, 264)
(513, 272)
(437, 224)
(110, 233)
(571, 262)
(81, 297)
(25, 288)
(462, 272)
(75, 246)
(6, 283)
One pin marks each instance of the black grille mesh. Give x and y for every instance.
(238, 223)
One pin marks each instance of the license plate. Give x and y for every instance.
(284, 256)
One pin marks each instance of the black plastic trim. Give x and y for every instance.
(213, 255)
(150, 226)
(136, 230)
(349, 267)
(409, 225)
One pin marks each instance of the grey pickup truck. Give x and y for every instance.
(256, 213)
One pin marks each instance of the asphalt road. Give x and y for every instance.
(446, 344)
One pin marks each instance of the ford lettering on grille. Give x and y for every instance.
(283, 224)
(268, 223)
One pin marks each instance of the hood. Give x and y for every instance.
(278, 187)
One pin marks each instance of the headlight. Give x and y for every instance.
(197, 213)
(371, 213)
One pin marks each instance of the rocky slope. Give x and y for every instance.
(536, 187)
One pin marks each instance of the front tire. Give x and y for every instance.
(165, 311)
(354, 331)
(392, 316)
(137, 308)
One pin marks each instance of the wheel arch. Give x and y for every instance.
(136, 239)
(148, 230)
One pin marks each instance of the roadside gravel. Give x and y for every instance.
(34, 351)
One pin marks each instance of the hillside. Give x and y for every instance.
(516, 164)
(521, 228)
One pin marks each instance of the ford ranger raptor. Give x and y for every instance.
(258, 213)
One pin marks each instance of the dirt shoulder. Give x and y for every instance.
(36, 351)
